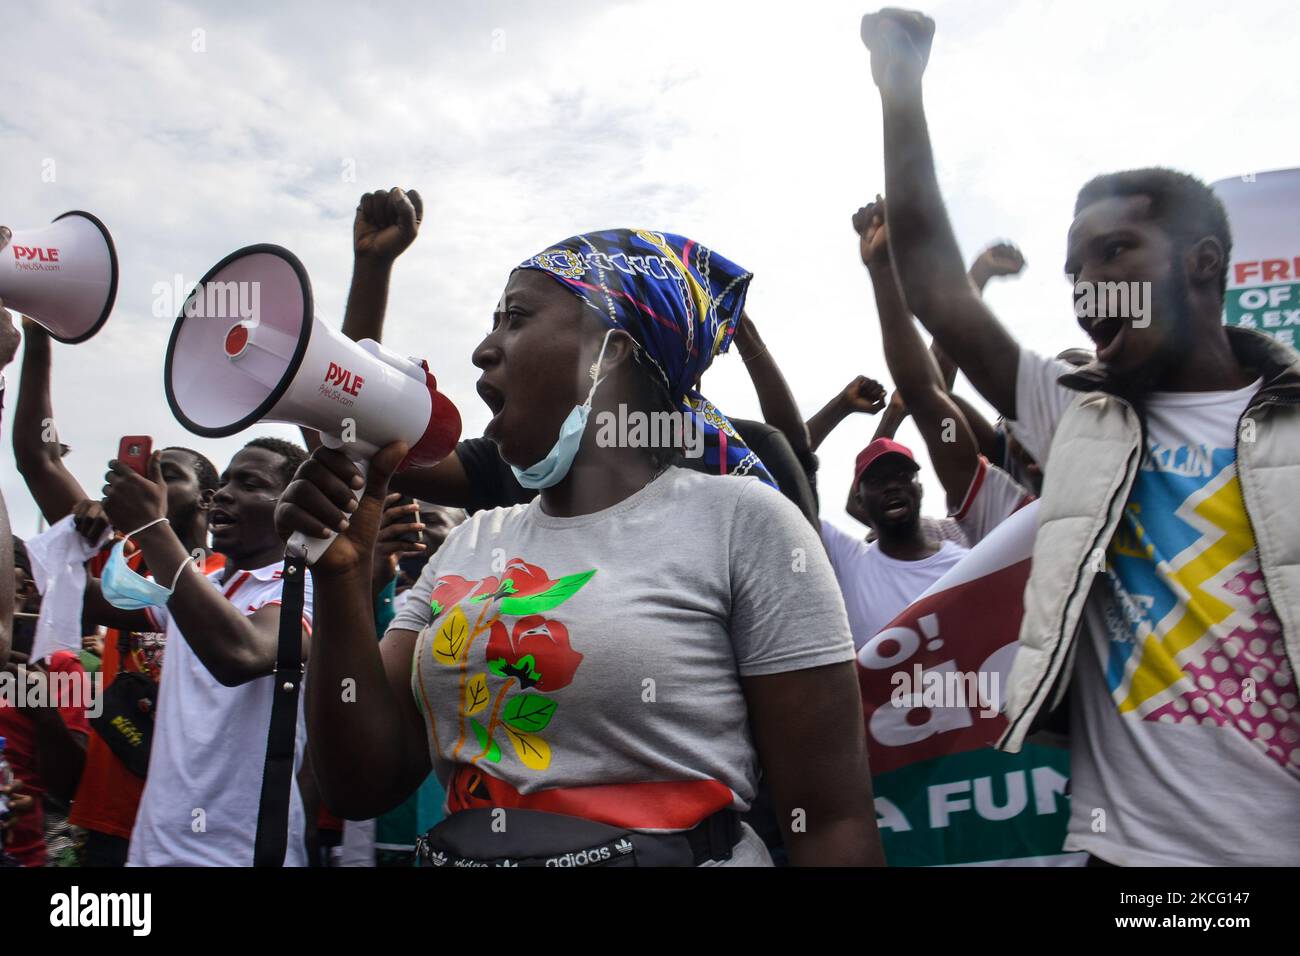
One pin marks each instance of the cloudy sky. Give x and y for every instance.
(193, 129)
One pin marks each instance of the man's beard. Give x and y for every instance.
(1171, 299)
(897, 527)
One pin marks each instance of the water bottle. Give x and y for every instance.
(6, 779)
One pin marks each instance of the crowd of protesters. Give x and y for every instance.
(634, 651)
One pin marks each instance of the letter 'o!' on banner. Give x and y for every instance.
(1264, 275)
(933, 684)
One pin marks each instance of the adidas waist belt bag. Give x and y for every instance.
(495, 836)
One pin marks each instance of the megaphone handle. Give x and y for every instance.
(315, 547)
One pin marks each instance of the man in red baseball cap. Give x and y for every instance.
(882, 578)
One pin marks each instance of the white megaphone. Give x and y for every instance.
(63, 276)
(247, 347)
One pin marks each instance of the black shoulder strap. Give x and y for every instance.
(273, 811)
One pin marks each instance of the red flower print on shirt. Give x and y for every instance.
(448, 590)
(536, 652)
(519, 579)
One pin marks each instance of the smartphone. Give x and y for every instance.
(134, 451)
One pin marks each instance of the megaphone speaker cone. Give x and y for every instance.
(62, 276)
(238, 340)
(247, 348)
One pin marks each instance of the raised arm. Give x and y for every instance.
(8, 346)
(368, 755)
(892, 420)
(860, 395)
(999, 259)
(779, 407)
(947, 436)
(37, 450)
(925, 252)
(386, 224)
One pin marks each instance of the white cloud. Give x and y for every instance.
(752, 127)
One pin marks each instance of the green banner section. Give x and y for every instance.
(974, 807)
(1273, 309)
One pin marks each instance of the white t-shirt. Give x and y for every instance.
(1184, 725)
(877, 587)
(209, 746)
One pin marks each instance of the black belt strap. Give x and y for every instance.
(277, 773)
(713, 838)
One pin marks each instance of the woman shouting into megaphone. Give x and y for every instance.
(596, 676)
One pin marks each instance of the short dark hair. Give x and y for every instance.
(1188, 209)
(204, 470)
(293, 455)
(21, 560)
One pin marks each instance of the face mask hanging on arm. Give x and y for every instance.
(126, 590)
(552, 469)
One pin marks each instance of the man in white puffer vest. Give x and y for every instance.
(1164, 601)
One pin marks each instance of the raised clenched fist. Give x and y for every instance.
(899, 41)
(387, 222)
(873, 234)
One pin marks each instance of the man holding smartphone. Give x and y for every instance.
(205, 773)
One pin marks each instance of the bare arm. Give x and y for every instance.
(986, 435)
(895, 414)
(780, 410)
(925, 252)
(444, 484)
(947, 436)
(947, 367)
(97, 612)
(40, 461)
(368, 753)
(233, 647)
(860, 395)
(386, 223)
(811, 741)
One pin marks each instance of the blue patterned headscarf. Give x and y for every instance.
(680, 302)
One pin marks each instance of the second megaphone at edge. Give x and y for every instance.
(248, 348)
(62, 276)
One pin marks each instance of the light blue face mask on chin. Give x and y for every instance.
(125, 589)
(552, 469)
